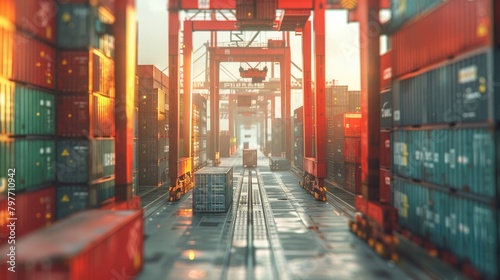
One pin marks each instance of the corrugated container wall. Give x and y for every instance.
(82, 160)
(468, 25)
(406, 10)
(34, 210)
(80, 26)
(33, 161)
(26, 111)
(37, 18)
(213, 189)
(86, 72)
(78, 248)
(465, 227)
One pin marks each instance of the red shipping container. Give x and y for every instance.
(360, 204)
(452, 28)
(383, 214)
(86, 72)
(37, 18)
(385, 185)
(266, 9)
(79, 248)
(245, 10)
(6, 50)
(385, 70)
(385, 149)
(352, 177)
(108, 4)
(346, 125)
(33, 210)
(33, 61)
(85, 115)
(352, 149)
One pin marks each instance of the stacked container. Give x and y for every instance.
(213, 189)
(386, 115)
(343, 148)
(27, 115)
(85, 154)
(445, 138)
(354, 101)
(298, 138)
(199, 131)
(336, 99)
(153, 139)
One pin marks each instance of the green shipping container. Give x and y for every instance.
(83, 161)
(75, 198)
(33, 161)
(26, 111)
(80, 26)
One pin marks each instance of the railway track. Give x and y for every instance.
(152, 198)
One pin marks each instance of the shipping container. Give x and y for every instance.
(86, 71)
(352, 149)
(298, 115)
(385, 149)
(335, 149)
(84, 161)
(336, 95)
(36, 18)
(33, 61)
(249, 158)
(75, 198)
(213, 189)
(224, 145)
(152, 101)
(279, 163)
(467, 228)
(403, 11)
(461, 90)
(266, 9)
(152, 126)
(385, 70)
(26, 111)
(352, 177)
(468, 25)
(32, 161)
(151, 149)
(33, 210)
(82, 26)
(338, 171)
(386, 110)
(151, 77)
(385, 185)
(354, 103)
(78, 248)
(153, 173)
(332, 110)
(344, 125)
(6, 49)
(85, 115)
(463, 159)
(245, 10)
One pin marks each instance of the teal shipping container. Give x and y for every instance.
(33, 161)
(80, 26)
(465, 227)
(75, 198)
(83, 161)
(213, 189)
(26, 111)
(403, 11)
(462, 159)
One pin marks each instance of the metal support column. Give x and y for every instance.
(307, 119)
(187, 94)
(173, 88)
(288, 94)
(125, 64)
(369, 26)
(320, 118)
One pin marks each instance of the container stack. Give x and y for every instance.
(85, 155)
(343, 148)
(445, 138)
(153, 139)
(135, 167)
(276, 137)
(199, 131)
(386, 115)
(298, 138)
(27, 117)
(336, 99)
(354, 101)
(213, 189)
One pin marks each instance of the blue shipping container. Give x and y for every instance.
(459, 91)
(462, 159)
(467, 228)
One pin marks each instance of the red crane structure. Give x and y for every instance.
(260, 15)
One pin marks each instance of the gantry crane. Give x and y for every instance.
(260, 15)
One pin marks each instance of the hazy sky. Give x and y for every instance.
(342, 43)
